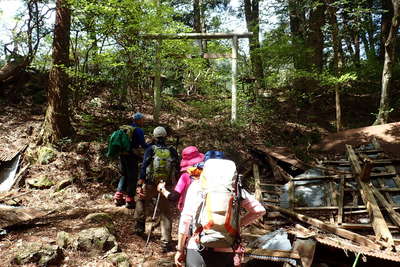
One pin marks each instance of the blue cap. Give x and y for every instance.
(137, 116)
(213, 154)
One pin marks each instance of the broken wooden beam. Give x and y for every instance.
(377, 220)
(256, 174)
(339, 219)
(327, 227)
(360, 226)
(336, 177)
(392, 213)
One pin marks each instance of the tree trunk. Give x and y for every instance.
(252, 14)
(370, 30)
(356, 36)
(337, 58)
(365, 41)
(296, 22)
(390, 49)
(315, 39)
(197, 25)
(386, 22)
(57, 123)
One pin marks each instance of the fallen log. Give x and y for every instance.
(327, 227)
(12, 215)
(11, 69)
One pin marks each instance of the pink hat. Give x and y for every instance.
(190, 157)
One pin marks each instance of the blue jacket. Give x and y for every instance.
(138, 138)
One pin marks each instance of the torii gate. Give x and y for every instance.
(207, 36)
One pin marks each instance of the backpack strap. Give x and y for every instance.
(237, 201)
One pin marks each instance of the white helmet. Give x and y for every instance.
(159, 132)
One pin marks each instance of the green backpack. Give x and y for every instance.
(161, 167)
(120, 141)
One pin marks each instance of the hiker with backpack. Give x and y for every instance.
(125, 142)
(209, 226)
(191, 167)
(190, 158)
(159, 164)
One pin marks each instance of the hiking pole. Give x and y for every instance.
(153, 218)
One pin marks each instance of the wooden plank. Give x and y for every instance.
(355, 207)
(355, 198)
(270, 200)
(279, 173)
(277, 192)
(256, 174)
(347, 163)
(379, 224)
(386, 189)
(396, 177)
(272, 253)
(392, 213)
(316, 208)
(330, 201)
(340, 202)
(356, 211)
(360, 226)
(370, 151)
(291, 195)
(216, 55)
(195, 35)
(335, 177)
(327, 227)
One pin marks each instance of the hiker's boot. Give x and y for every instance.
(130, 202)
(119, 199)
(166, 247)
(139, 228)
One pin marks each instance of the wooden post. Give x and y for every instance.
(234, 74)
(256, 174)
(340, 202)
(157, 83)
(377, 220)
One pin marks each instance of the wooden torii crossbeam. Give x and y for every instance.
(207, 36)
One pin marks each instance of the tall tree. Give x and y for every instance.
(337, 57)
(296, 23)
(390, 51)
(199, 22)
(369, 32)
(252, 14)
(386, 21)
(57, 123)
(315, 37)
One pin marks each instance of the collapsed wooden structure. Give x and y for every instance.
(358, 200)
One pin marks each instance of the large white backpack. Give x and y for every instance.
(216, 219)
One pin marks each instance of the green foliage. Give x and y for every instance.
(327, 79)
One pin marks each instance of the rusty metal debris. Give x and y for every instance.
(351, 203)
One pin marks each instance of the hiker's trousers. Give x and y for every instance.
(129, 170)
(208, 258)
(145, 208)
